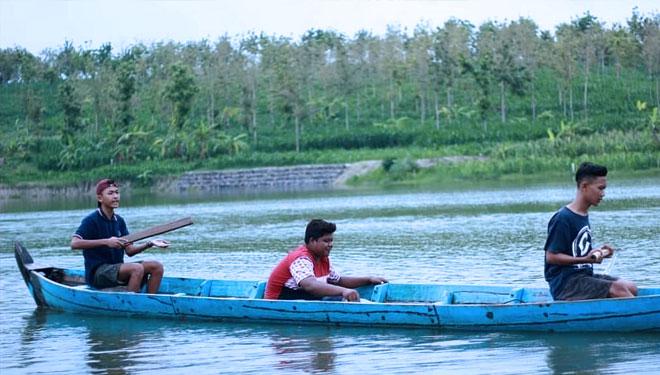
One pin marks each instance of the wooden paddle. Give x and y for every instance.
(158, 229)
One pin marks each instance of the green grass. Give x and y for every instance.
(632, 153)
(625, 153)
(144, 173)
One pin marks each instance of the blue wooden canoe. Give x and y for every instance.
(441, 306)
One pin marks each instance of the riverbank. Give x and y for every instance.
(493, 173)
(303, 177)
(631, 153)
(357, 176)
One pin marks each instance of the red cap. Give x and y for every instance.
(104, 184)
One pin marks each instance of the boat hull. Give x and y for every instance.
(437, 306)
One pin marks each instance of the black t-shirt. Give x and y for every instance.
(95, 227)
(568, 233)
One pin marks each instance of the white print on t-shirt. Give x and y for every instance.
(303, 268)
(582, 244)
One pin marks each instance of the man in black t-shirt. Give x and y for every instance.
(569, 254)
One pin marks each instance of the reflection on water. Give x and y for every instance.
(600, 353)
(481, 236)
(300, 349)
(109, 345)
(125, 345)
(112, 345)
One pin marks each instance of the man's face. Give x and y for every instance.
(109, 197)
(321, 246)
(594, 190)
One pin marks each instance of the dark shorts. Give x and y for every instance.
(581, 286)
(106, 276)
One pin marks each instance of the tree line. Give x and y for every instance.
(76, 107)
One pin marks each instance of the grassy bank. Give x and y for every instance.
(489, 173)
(144, 173)
(633, 152)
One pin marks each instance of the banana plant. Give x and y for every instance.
(130, 145)
(652, 120)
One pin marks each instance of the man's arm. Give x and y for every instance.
(136, 249)
(78, 243)
(319, 288)
(567, 260)
(89, 229)
(354, 282)
(116, 243)
(131, 249)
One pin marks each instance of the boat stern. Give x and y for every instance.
(27, 266)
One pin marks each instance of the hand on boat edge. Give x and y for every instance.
(351, 295)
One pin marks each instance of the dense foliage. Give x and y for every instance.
(505, 89)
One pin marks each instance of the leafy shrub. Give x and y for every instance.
(387, 164)
(401, 168)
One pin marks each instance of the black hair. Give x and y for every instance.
(318, 228)
(589, 171)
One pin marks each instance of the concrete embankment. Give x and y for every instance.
(270, 178)
(267, 178)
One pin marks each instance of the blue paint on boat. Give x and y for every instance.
(438, 306)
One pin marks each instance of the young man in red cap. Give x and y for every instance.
(306, 272)
(99, 237)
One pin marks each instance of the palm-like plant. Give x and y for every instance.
(129, 146)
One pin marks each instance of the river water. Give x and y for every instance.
(481, 236)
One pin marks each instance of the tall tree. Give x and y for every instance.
(451, 45)
(27, 75)
(102, 76)
(420, 48)
(249, 57)
(480, 67)
(364, 73)
(526, 50)
(72, 109)
(126, 88)
(647, 32)
(319, 82)
(565, 62)
(588, 32)
(225, 82)
(624, 51)
(507, 69)
(392, 67)
(345, 74)
(180, 91)
(288, 95)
